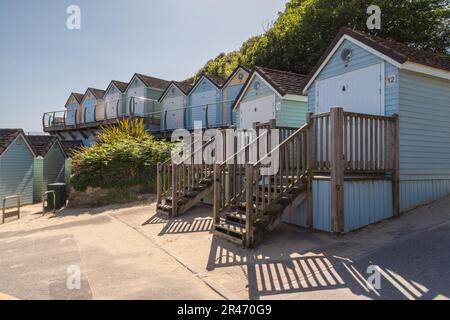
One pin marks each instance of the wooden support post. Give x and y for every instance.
(158, 183)
(310, 166)
(249, 206)
(396, 166)
(337, 170)
(217, 191)
(273, 123)
(174, 191)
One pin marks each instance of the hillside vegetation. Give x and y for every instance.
(300, 35)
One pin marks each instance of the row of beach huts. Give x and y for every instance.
(387, 145)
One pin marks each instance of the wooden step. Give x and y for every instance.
(230, 228)
(164, 209)
(237, 240)
(237, 216)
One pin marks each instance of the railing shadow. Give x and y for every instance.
(195, 221)
(318, 274)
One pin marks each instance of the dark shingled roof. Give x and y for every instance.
(7, 136)
(216, 80)
(71, 147)
(122, 86)
(183, 86)
(98, 94)
(400, 52)
(78, 96)
(282, 81)
(153, 82)
(42, 144)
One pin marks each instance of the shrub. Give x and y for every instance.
(125, 155)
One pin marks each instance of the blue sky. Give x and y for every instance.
(41, 61)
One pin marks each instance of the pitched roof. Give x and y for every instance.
(98, 93)
(152, 82)
(42, 144)
(234, 73)
(400, 52)
(219, 82)
(397, 51)
(282, 81)
(71, 147)
(122, 86)
(7, 136)
(183, 86)
(78, 96)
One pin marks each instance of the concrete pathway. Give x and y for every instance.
(38, 256)
(130, 252)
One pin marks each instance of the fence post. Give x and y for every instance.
(396, 167)
(337, 169)
(174, 191)
(309, 160)
(158, 184)
(249, 205)
(217, 192)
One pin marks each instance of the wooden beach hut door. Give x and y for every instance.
(359, 91)
(261, 110)
(175, 112)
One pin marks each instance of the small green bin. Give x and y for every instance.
(60, 195)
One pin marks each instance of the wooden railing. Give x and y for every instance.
(229, 176)
(176, 180)
(275, 176)
(333, 144)
(367, 142)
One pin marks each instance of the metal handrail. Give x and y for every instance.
(4, 207)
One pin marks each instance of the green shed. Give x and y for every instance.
(271, 94)
(70, 149)
(49, 163)
(16, 166)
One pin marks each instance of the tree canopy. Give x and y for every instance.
(300, 35)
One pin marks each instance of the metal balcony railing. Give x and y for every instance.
(108, 112)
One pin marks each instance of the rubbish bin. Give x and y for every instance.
(60, 195)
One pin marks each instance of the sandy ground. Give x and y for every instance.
(129, 252)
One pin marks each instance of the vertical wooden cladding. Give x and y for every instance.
(347, 143)
(368, 142)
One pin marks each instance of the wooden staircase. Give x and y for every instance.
(250, 203)
(181, 186)
(234, 224)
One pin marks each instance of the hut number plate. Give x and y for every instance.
(391, 79)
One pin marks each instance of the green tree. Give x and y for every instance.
(301, 34)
